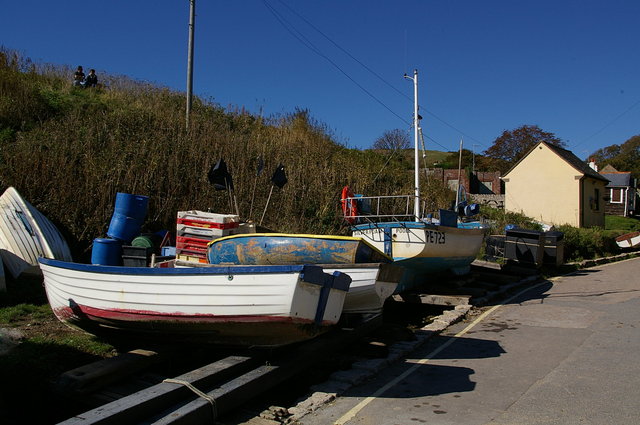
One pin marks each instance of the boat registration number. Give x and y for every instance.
(430, 236)
(434, 237)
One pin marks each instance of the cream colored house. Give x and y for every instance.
(553, 186)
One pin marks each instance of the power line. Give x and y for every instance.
(607, 125)
(375, 73)
(317, 51)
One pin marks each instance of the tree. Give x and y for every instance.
(453, 159)
(625, 157)
(393, 140)
(512, 145)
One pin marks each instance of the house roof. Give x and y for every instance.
(619, 178)
(569, 157)
(608, 169)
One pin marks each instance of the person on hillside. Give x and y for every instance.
(92, 79)
(78, 77)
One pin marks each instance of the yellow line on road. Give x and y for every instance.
(357, 408)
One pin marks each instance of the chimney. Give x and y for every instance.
(593, 165)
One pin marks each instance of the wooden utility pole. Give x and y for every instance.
(192, 24)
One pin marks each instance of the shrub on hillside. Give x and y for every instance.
(69, 150)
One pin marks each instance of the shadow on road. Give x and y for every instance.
(429, 379)
(426, 380)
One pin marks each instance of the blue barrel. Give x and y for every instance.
(128, 216)
(106, 252)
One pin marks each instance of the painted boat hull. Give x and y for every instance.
(26, 234)
(282, 248)
(371, 284)
(240, 305)
(629, 240)
(424, 248)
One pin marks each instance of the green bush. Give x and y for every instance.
(579, 243)
(69, 150)
(587, 243)
(498, 219)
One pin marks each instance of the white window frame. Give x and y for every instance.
(621, 201)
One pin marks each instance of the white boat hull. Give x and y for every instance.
(26, 234)
(244, 305)
(424, 248)
(371, 285)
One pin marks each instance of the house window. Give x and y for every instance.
(596, 199)
(485, 188)
(616, 195)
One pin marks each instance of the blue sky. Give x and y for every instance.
(570, 67)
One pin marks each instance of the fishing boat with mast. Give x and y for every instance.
(421, 245)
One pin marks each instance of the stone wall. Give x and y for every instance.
(495, 201)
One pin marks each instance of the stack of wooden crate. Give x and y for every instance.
(195, 229)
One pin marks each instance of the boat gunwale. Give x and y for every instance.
(290, 235)
(417, 225)
(13, 192)
(180, 271)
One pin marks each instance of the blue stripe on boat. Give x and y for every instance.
(93, 268)
(337, 280)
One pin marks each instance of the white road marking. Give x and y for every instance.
(357, 408)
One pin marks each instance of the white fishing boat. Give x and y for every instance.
(419, 244)
(26, 234)
(629, 240)
(236, 305)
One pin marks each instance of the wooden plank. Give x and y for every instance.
(481, 264)
(93, 376)
(227, 397)
(136, 407)
(233, 393)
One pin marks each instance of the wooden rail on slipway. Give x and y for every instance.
(202, 395)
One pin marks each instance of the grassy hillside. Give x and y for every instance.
(69, 150)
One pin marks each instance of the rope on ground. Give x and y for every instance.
(207, 397)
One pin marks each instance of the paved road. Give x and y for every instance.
(565, 352)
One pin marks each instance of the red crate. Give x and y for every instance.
(207, 224)
(189, 242)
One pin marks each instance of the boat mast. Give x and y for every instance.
(416, 163)
(416, 125)
(459, 178)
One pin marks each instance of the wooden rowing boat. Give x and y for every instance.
(629, 240)
(236, 305)
(26, 234)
